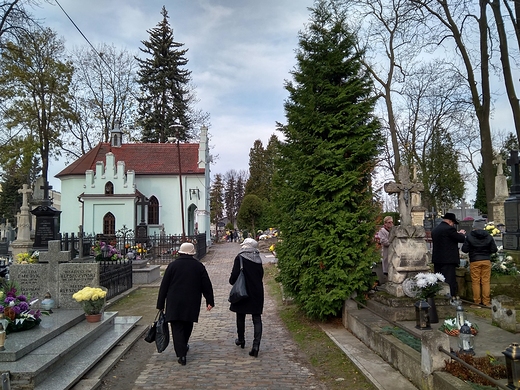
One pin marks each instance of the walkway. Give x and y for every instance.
(214, 362)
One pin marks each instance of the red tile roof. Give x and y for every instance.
(143, 158)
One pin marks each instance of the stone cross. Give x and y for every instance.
(143, 202)
(25, 191)
(513, 162)
(404, 188)
(499, 161)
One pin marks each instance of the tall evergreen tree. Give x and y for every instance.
(165, 94)
(229, 196)
(323, 187)
(216, 201)
(480, 201)
(443, 182)
(257, 170)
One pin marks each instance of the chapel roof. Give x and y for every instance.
(142, 158)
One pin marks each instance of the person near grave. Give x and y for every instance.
(253, 271)
(181, 290)
(445, 254)
(480, 245)
(384, 235)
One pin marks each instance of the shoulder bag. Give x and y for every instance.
(238, 291)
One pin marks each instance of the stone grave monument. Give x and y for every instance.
(47, 220)
(23, 242)
(408, 253)
(512, 207)
(56, 274)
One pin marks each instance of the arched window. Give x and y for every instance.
(153, 211)
(109, 224)
(109, 188)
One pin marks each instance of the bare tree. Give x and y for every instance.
(104, 96)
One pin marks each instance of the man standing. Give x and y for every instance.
(384, 235)
(182, 287)
(445, 256)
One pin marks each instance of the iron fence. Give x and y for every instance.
(157, 249)
(115, 276)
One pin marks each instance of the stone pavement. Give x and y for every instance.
(215, 362)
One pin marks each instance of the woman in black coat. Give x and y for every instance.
(182, 287)
(254, 303)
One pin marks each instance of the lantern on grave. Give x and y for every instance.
(422, 318)
(460, 317)
(48, 303)
(512, 354)
(466, 340)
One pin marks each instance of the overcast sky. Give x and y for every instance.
(239, 51)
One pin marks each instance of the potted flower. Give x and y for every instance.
(427, 284)
(27, 258)
(92, 300)
(105, 251)
(450, 327)
(16, 309)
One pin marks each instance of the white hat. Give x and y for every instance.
(249, 243)
(187, 248)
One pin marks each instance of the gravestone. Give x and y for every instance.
(23, 241)
(56, 274)
(141, 235)
(407, 253)
(47, 221)
(512, 206)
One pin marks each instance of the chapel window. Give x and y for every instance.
(109, 188)
(153, 211)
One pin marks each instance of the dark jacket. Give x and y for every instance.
(480, 245)
(253, 273)
(182, 287)
(446, 244)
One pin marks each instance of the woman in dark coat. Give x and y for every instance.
(254, 303)
(182, 287)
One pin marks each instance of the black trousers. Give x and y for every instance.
(257, 328)
(181, 332)
(448, 270)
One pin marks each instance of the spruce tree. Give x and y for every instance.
(164, 82)
(323, 182)
(216, 201)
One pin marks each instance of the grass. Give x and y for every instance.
(330, 364)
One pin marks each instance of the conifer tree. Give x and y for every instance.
(165, 94)
(323, 182)
(216, 201)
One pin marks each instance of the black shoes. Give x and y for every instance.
(242, 343)
(254, 352)
(182, 360)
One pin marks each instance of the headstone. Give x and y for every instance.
(54, 273)
(142, 229)
(501, 193)
(47, 220)
(512, 206)
(23, 241)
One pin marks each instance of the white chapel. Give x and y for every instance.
(116, 185)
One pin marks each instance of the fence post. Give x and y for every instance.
(431, 358)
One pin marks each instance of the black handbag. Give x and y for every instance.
(152, 331)
(239, 290)
(162, 333)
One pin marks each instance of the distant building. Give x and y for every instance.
(117, 184)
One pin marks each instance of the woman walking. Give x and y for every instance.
(254, 303)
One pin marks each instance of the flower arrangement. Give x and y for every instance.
(451, 329)
(28, 258)
(92, 299)
(503, 264)
(17, 309)
(491, 229)
(104, 251)
(427, 284)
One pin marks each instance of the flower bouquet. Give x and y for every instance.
(28, 258)
(427, 284)
(104, 251)
(91, 299)
(450, 327)
(17, 309)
